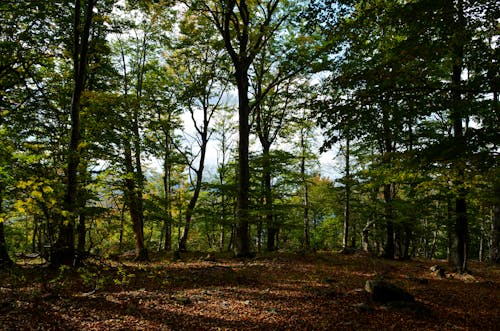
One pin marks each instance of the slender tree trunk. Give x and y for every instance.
(365, 244)
(139, 179)
(347, 202)
(64, 250)
(406, 241)
(305, 202)
(433, 245)
(268, 197)
(167, 223)
(122, 226)
(192, 205)
(223, 215)
(461, 222)
(132, 203)
(35, 234)
(389, 247)
(449, 229)
(134, 179)
(495, 226)
(167, 173)
(203, 132)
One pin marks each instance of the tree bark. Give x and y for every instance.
(63, 251)
(167, 173)
(459, 261)
(389, 247)
(306, 221)
(233, 20)
(194, 198)
(167, 222)
(495, 226)
(268, 196)
(347, 202)
(242, 229)
(141, 252)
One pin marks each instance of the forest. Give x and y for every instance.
(146, 143)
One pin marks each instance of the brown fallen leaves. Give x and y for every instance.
(276, 292)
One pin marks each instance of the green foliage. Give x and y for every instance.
(382, 80)
(124, 277)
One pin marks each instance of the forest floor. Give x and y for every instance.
(282, 291)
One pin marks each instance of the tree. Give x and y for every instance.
(204, 86)
(245, 27)
(272, 95)
(144, 31)
(224, 132)
(495, 224)
(63, 252)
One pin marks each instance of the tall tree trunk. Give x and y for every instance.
(365, 244)
(167, 222)
(167, 173)
(134, 179)
(495, 226)
(461, 222)
(268, 197)
(449, 229)
(63, 251)
(203, 132)
(141, 253)
(347, 202)
(242, 242)
(138, 178)
(192, 205)
(389, 247)
(306, 221)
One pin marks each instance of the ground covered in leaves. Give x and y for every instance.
(323, 291)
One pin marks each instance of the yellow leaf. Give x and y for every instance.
(47, 189)
(37, 195)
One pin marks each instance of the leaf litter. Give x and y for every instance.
(281, 291)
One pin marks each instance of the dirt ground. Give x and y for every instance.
(323, 291)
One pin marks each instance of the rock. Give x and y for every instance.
(384, 292)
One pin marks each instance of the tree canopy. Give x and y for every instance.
(149, 126)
